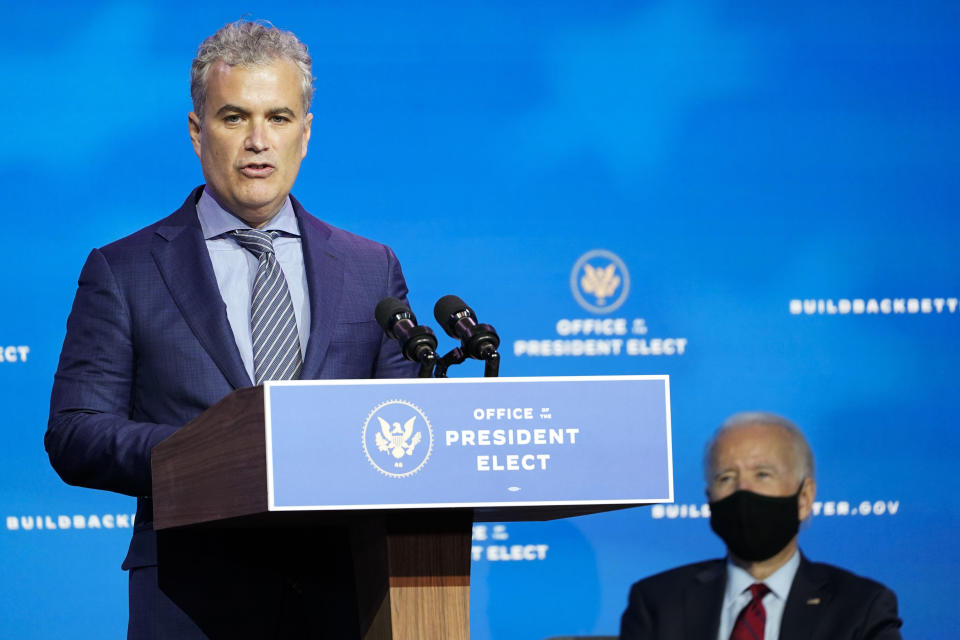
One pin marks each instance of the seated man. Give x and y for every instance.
(759, 473)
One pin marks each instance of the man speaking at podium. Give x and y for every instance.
(239, 286)
(759, 473)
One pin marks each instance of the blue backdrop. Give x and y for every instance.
(774, 184)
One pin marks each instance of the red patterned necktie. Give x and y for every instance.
(753, 617)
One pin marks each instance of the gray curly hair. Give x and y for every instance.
(249, 43)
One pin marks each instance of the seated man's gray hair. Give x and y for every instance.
(802, 455)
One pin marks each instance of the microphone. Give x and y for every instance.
(479, 341)
(417, 342)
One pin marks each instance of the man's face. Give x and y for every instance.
(252, 136)
(758, 458)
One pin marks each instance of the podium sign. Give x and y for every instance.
(402, 468)
(468, 443)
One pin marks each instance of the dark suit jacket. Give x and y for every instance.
(825, 603)
(149, 347)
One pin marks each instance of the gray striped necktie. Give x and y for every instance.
(273, 325)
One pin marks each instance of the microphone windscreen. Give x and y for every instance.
(387, 309)
(446, 310)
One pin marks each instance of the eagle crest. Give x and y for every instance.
(600, 281)
(397, 440)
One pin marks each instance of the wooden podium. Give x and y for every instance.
(407, 569)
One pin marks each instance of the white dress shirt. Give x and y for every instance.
(235, 269)
(736, 596)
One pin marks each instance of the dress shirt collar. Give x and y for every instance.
(216, 221)
(738, 580)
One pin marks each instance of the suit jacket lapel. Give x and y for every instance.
(809, 598)
(184, 263)
(702, 602)
(324, 271)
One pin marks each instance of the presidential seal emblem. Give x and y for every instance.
(600, 281)
(397, 438)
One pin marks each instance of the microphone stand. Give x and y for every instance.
(456, 356)
(427, 363)
(491, 358)
(491, 366)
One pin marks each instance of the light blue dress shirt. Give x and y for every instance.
(235, 269)
(736, 597)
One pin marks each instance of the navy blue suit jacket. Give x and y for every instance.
(149, 347)
(825, 603)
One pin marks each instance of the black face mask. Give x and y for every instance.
(755, 527)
